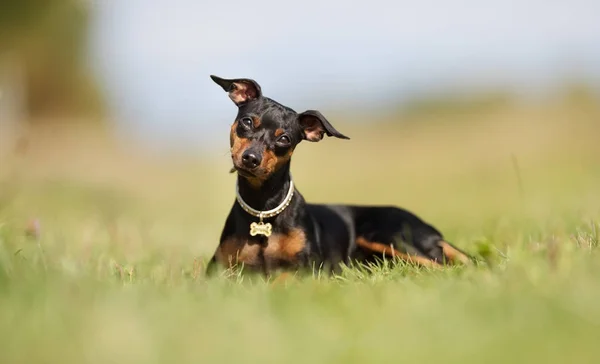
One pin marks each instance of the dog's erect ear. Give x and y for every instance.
(314, 125)
(240, 90)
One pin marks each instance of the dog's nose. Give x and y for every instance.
(251, 159)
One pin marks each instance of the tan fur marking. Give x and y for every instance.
(388, 250)
(255, 122)
(255, 182)
(282, 278)
(237, 251)
(272, 162)
(232, 135)
(238, 146)
(453, 254)
(285, 246)
(279, 132)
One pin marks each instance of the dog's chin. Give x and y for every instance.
(243, 172)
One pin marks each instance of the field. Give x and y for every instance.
(102, 249)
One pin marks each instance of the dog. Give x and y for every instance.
(271, 228)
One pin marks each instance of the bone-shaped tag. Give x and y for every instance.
(260, 229)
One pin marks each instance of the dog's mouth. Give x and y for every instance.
(242, 172)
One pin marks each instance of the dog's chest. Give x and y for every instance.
(280, 249)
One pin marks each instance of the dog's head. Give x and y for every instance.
(265, 133)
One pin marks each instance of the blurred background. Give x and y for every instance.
(464, 111)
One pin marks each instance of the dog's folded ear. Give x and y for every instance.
(314, 125)
(241, 90)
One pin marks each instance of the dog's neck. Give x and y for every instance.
(270, 193)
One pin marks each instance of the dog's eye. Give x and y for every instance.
(246, 122)
(284, 140)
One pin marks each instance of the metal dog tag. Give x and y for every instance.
(260, 228)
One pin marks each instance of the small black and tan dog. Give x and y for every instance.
(271, 228)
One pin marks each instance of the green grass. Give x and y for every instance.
(114, 273)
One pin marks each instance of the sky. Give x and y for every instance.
(154, 58)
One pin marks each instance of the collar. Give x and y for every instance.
(269, 213)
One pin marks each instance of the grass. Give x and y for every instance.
(105, 263)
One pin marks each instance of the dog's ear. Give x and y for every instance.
(314, 125)
(241, 90)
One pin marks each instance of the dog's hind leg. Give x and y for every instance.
(454, 254)
(391, 251)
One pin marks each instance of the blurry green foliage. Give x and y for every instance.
(49, 39)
